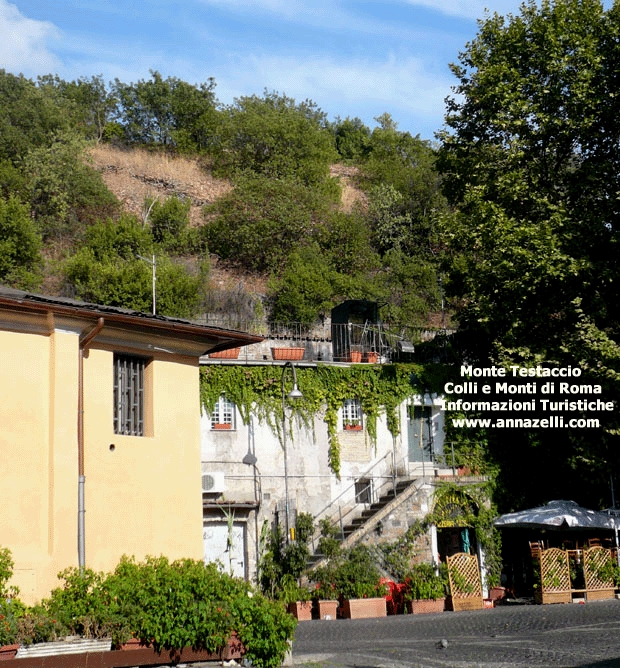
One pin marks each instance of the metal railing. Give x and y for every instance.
(345, 504)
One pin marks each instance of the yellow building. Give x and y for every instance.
(100, 435)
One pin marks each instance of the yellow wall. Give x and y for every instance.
(142, 497)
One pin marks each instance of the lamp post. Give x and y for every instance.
(294, 394)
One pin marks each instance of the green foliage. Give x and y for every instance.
(167, 112)
(281, 561)
(28, 117)
(6, 573)
(65, 192)
(107, 271)
(262, 220)
(257, 391)
(169, 220)
(20, 245)
(530, 167)
(426, 582)
(170, 605)
(328, 545)
(352, 138)
(351, 574)
(276, 137)
(304, 291)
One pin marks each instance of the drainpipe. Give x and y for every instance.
(85, 340)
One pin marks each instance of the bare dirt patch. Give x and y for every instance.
(134, 175)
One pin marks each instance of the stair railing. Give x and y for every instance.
(340, 514)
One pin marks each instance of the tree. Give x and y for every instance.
(275, 136)
(530, 161)
(20, 245)
(28, 117)
(261, 221)
(168, 112)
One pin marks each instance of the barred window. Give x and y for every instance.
(129, 394)
(223, 414)
(352, 414)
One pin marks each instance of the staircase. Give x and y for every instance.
(360, 525)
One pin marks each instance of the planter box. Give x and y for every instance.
(138, 656)
(301, 610)
(372, 357)
(353, 427)
(328, 609)
(361, 608)
(8, 651)
(221, 425)
(425, 606)
(354, 356)
(288, 353)
(78, 646)
(230, 354)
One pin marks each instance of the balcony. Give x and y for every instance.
(354, 343)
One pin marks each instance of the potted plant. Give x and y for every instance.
(425, 589)
(325, 601)
(296, 598)
(357, 582)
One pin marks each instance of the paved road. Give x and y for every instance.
(569, 635)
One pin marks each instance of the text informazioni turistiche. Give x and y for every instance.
(525, 398)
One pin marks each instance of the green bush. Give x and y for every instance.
(426, 582)
(170, 605)
(169, 220)
(20, 245)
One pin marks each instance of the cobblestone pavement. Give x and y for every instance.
(569, 636)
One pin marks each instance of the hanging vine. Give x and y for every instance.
(257, 390)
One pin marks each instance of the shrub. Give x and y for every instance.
(168, 605)
(20, 245)
(426, 582)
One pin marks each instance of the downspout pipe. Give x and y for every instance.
(86, 339)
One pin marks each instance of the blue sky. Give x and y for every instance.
(353, 58)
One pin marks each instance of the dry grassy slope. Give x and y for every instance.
(134, 175)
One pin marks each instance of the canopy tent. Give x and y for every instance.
(560, 515)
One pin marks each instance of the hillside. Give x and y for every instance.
(135, 175)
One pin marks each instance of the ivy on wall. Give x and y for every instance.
(257, 390)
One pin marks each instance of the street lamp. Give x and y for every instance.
(294, 394)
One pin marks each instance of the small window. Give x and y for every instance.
(363, 491)
(129, 394)
(223, 415)
(352, 415)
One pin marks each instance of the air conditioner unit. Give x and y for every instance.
(213, 482)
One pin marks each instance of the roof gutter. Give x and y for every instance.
(86, 338)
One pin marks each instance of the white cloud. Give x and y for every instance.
(351, 87)
(24, 42)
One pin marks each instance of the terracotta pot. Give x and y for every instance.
(361, 608)
(301, 610)
(353, 427)
(355, 356)
(288, 353)
(8, 651)
(230, 354)
(425, 606)
(328, 609)
(372, 357)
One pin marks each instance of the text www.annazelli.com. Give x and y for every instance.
(553, 422)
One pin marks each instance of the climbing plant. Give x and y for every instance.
(475, 510)
(257, 390)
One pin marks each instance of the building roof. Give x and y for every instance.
(215, 338)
